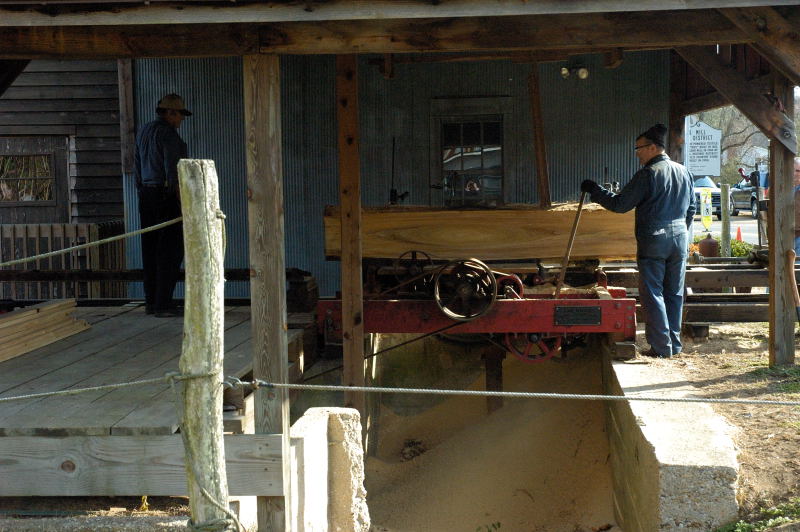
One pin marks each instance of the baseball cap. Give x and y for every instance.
(175, 103)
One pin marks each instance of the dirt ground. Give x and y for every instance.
(734, 363)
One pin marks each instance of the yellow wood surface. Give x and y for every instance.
(489, 234)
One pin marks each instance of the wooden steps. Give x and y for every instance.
(29, 328)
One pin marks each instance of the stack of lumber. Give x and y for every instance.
(30, 328)
(512, 232)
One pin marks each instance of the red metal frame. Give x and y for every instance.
(529, 315)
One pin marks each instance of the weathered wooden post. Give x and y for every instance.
(725, 216)
(203, 334)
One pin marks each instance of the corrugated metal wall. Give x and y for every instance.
(212, 90)
(590, 125)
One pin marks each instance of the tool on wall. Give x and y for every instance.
(394, 197)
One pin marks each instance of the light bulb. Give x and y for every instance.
(583, 73)
(564, 72)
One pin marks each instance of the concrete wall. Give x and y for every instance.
(674, 464)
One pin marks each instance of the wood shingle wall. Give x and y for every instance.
(76, 100)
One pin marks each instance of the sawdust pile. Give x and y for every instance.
(534, 465)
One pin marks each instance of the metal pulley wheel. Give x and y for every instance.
(465, 289)
(532, 347)
(411, 265)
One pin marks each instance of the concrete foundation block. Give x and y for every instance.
(348, 510)
(309, 440)
(674, 464)
(328, 466)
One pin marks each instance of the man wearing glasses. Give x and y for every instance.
(662, 193)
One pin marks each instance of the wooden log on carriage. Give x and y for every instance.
(516, 232)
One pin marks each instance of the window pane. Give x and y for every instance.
(472, 157)
(493, 133)
(451, 159)
(26, 178)
(451, 135)
(472, 134)
(492, 157)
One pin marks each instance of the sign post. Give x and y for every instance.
(705, 208)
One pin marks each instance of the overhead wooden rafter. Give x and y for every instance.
(766, 114)
(774, 37)
(586, 32)
(101, 12)
(715, 99)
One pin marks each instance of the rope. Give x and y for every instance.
(168, 377)
(234, 382)
(91, 244)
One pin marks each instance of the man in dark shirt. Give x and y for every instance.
(158, 149)
(662, 193)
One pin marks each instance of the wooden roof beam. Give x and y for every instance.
(715, 99)
(586, 32)
(753, 103)
(639, 30)
(115, 12)
(776, 38)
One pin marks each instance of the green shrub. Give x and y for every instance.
(739, 248)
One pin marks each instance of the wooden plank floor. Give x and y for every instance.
(123, 344)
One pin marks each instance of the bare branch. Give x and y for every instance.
(737, 144)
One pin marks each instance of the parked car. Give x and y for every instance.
(706, 183)
(744, 197)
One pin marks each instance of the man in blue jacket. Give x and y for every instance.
(662, 193)
(158, 149)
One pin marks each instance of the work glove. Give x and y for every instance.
(589, 186)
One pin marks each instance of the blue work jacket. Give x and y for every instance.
(662, 192)
(158, 150)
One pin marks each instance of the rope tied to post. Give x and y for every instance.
(230, 522)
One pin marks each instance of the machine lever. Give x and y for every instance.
(563, 272)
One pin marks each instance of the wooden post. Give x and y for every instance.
(350, 203)
(127, 121)
(725, 213)
(204, 330)
(262, 111)
(677, 81)
(781, 237)
(539, 147)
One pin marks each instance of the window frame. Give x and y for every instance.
(56, 210)
(444, 110)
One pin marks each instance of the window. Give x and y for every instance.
(469, 142)
(472, 161)
(34, 181)
(27, 178)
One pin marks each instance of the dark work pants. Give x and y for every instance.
(661, 257)
(162, 250)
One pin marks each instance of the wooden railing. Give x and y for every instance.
(26, 240)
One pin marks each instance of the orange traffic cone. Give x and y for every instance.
(739, 233)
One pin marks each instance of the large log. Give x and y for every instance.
(516, 232)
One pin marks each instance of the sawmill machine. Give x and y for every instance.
(518, 308)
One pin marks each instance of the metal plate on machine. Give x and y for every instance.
(578, 315)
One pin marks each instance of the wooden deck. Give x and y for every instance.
(123, 344)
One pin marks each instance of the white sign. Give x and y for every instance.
(702, 149)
